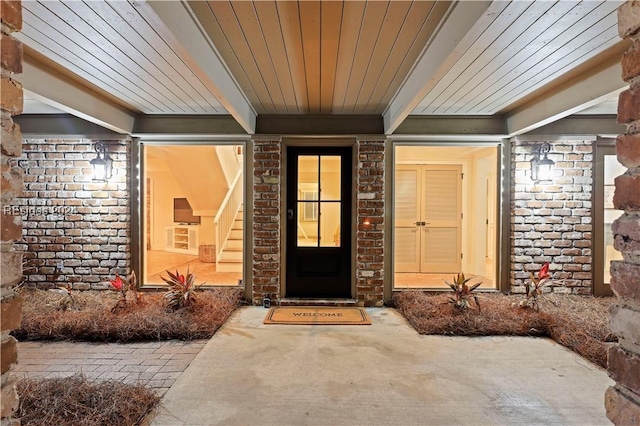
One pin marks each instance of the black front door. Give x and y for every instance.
(318, 222)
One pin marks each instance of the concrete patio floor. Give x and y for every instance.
(383, 374)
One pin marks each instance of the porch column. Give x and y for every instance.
(267, 165)
(622, 401)
(370, 222)
(12, 184)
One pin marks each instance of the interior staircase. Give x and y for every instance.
(231, 256)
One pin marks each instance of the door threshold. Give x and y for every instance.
(312, 301)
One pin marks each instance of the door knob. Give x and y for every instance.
(290, 214)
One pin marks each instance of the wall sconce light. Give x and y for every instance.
(540, 164)
(102, 165)
(366, 221)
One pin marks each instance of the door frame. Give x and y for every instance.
(601, 147)
(320, 142)
(502, 182)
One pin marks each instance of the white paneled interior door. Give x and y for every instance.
(407, 214)
(428, 218)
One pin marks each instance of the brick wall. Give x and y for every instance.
(11, 187)
(370, 223)
(267, 164)
(552, 222)
(622, 401)
(74, 230)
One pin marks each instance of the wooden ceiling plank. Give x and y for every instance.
(524, 62)
(567, 51)
(271, 29)
(248, 21)
(95, 72)
(230, 26)
(176, 22)
(210, 24)
(310, 24)
(138, 51)
(158, 52)
(352, 16)
(112, 42)
(289, 18)
(394, 20)
(604, 41)
(69, 29)
(412, 41)
(457, 31)
(374, 15)
(512, 22)
(331, 22)
(504, 49)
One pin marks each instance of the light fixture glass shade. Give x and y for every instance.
(544, 169)
(541, 167)
(99, 166)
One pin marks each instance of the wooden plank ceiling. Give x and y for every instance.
(330, 57)
(320, 57)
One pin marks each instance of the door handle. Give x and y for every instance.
(290, 214)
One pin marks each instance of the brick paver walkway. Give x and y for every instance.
(155, 364)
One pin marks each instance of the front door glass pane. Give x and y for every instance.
(330, 224)
(330, 177)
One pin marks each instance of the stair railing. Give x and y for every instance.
(226, 215)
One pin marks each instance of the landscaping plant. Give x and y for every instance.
(463, 293)
(128, 285)
(533, 289)
(181, 291)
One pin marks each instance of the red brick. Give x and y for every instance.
(11, 182)
(10, 227)
(10, 54)
(9, 353)
(627, 194)
(11, 99)
(624, 368)
(628, 149)
(625, 280)
(11, 14)
(628, 106)
(11, 138)
(628, 19)
(11, 313)
(620, 409)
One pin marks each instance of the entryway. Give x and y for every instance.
(444, 214)
(318, 217)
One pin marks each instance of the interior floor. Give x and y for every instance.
(158, 262)
(404, 280)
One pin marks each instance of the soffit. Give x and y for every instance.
(116, 48)
(340, 57)
(527, 46)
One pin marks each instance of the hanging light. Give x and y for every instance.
(541, 167)
(102, 165)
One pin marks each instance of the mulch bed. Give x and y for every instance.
(91, 318)
(581, 323)
(78, 401)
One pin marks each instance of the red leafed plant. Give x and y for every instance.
(181, 291)
(534, 288)
(124, 286)
(463, 293)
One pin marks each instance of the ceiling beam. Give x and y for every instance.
(579, 125)
(52, 89)
(440, 55)
(452, 125)
(151, 126)
(319, 124)
(576, 95)
(63, 126)
(177, 24)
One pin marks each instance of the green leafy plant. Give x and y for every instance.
(69, 301)
(533, 288)
(463, 293)
(123, 287)
(181, 291)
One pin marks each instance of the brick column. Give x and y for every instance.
(370, 223)
(267, 164)
(11, 226)
(622, 401)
